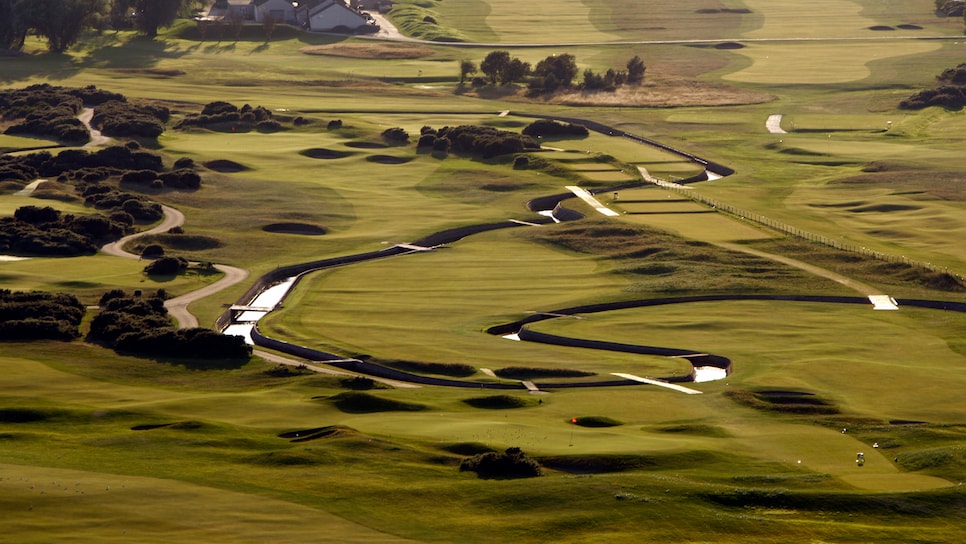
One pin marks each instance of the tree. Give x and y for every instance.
(150, 15)
(120, 14)
(515, 71)
(467, 68)
(635, 70)
(59, 21)
(269, 25)
(562, 68)
(494, 65)
(13, 26)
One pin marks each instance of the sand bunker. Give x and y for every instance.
(225, 166)
(295, 228)
(388, 159)
(322, 153)
(366, 145)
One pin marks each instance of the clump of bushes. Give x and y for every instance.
(395, 136)
(549, 127)
(121, 118)
(48, 110)
(512, 463)
(39, 315)
(45, 231)
(220, 115)
(138, 207)
(951, 94)
(166, 266)
(140, 325)
(487, 142)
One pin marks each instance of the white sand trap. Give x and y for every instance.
(513, 336)
(883, 302)
(593, 202)
(659, 383)
(774, 124)
(11, 258)
(488, 372)
(526, 223)
(30, 188)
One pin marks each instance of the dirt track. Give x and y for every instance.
(178, 306)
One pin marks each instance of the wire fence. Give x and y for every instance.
(768, 222)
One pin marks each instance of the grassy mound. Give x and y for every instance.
(366, 145)
(354, 402)
(696, 429)
(457, 370)
(284, 458)
(330, 431)
(791, 402)
(467, 448)
(601, 464)
(500, 402)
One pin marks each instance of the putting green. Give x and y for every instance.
(831, 452)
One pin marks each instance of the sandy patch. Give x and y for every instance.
(370, 50)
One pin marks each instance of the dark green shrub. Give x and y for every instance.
(513, 463)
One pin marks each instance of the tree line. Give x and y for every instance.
(61, 22)
(551, 74)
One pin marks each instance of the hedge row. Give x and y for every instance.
(217, 114)
(139, 207)
(45, 231)
(48, 110)
(122, 119)
(37, 315)
(108, 161)
(487, 142)
(141, 325)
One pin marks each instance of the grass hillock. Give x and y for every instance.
(661, 262)
(604, 463)
(790, 402)
(500, 402)
(354, 402)
(456, 370)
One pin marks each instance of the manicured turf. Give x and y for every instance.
(96, 444)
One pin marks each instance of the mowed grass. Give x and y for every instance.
(695, 468)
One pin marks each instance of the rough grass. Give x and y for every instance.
(382, 51)
(659, 261)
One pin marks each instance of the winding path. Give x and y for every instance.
(178, 306)
(97, 139)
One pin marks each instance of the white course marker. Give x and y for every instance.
(883, 302)
(659, 383)
(584, 195)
